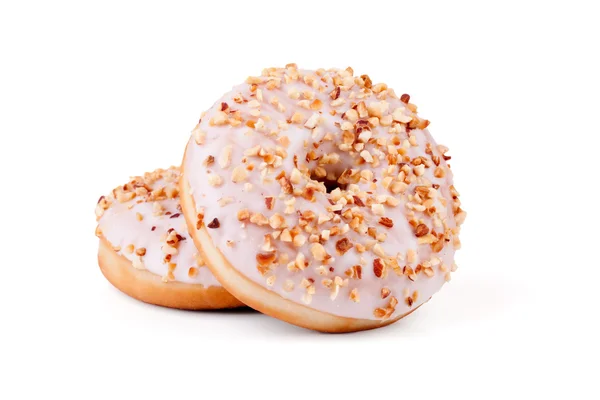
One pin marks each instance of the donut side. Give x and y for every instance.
(257, 297)
(150, 288)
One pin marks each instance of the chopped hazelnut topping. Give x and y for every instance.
(355, 272)
(225, 158)
(295, 176)
(299, 240)
(123, 197)
(385, 292)
(215, 180)
(312, 121)
(437, 246)
(352, 116)
(318, 251)
(460, 217)
(286, 185)
(388, 223)
(253, 80)
(276, 221)
(377, 209)
(300, 261)
(378, 267)
(419, 170)
(343, 245)
(377, 109)
(354, 296)
(421, 230)
(285, 236)
(297, 118)
(243, 214)
(259, 219)
(316, 104)
(410, 273)
(398, 115)
(335, 93)
(169, 250)
(366, 156)
(199, 135)
(362, 110)
(209, 161)
(284, 141)
(439, 172)
(220, 118)
(269, 202)
(199, 220)
(223, 201)
(239, 174)
(265, 259)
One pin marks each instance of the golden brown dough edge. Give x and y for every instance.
(149, 288)
(254, 295)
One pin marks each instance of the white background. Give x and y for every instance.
(91, 93)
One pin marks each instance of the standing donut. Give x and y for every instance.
(144, 247)
(319, 198)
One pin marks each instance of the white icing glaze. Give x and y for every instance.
(229, 142)
(119, 223)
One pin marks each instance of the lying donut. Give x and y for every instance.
(144, 250)
(320, 198)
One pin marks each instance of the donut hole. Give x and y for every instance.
(330, 180)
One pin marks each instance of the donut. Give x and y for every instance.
(144, 247)
(321, 199)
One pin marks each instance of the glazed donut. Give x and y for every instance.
(320, 198)
(144, 250)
